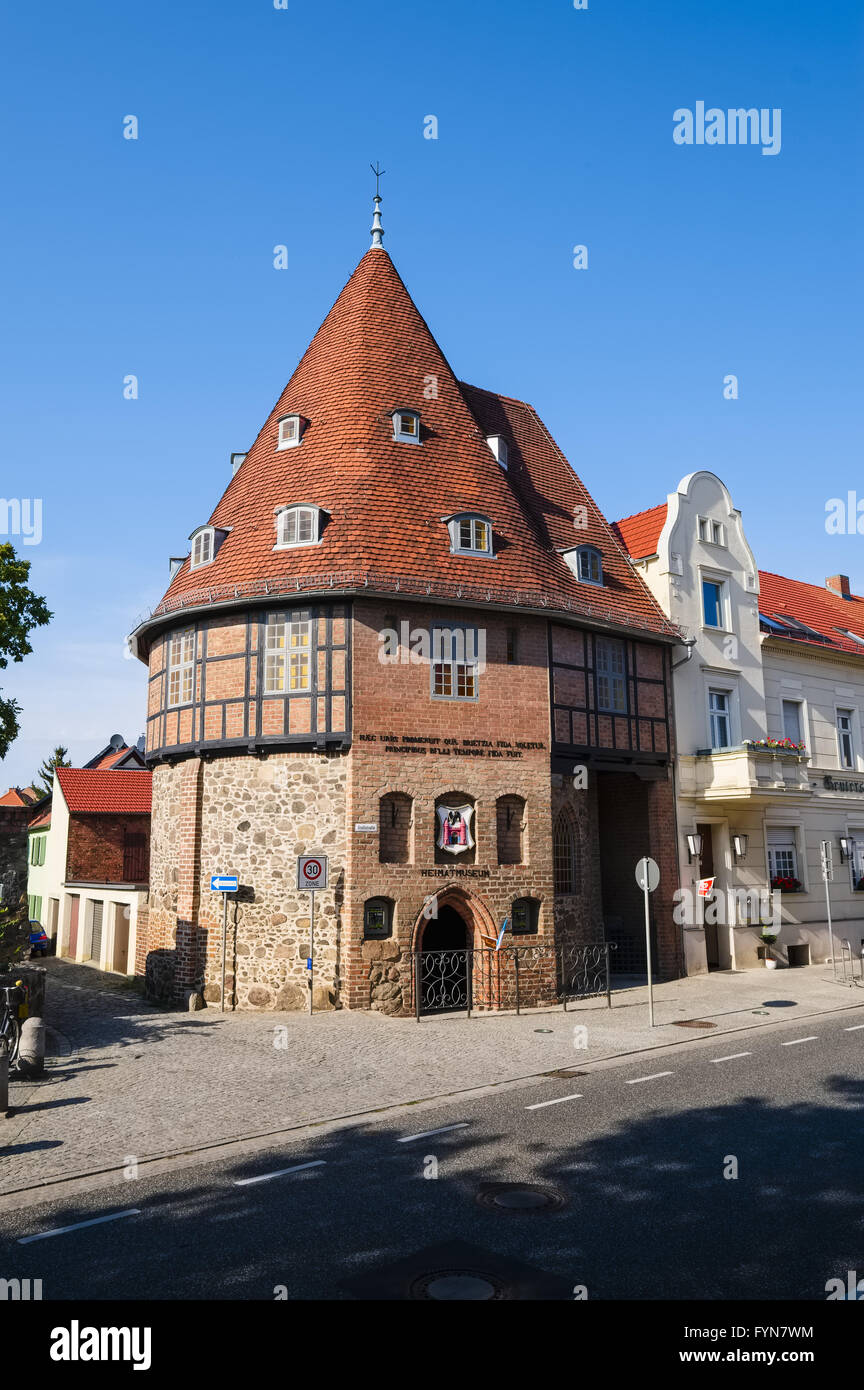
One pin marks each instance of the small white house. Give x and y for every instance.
(769, 722)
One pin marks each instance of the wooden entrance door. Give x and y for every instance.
(120, 957)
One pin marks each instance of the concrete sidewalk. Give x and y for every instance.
(130, 1081)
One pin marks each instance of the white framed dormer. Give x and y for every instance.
(406, 426)
(470, 534)
(498, 444)
(290, 432)
(299, 524)
(205, 543)
(586, 562)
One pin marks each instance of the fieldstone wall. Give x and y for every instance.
(249, 816)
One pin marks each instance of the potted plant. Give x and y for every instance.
(769, 936)
(786, 883)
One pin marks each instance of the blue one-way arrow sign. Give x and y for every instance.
(224, 883)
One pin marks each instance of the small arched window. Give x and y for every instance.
(510, 816)
(406, 426)
(589, 564)
(377, 918)
(203, 547)
(565, 855)
(525, 916)
(297, 526)
(394, 828)
(470, 534)
(290, 432)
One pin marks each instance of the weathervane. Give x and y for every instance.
(377, 229)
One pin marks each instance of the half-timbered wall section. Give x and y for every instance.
(275, 676)
(609, 693)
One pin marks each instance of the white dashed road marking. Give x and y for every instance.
(732, 1056)
(96, 1221)
(280, 1172)
(557, 1101)
(812, 1038)
(426, 1134)
(854, 1028)
(652, 1077)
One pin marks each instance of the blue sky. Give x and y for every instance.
(256, 128)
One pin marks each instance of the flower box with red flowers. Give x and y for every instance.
(786, 883)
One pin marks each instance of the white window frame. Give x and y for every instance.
(455, 663)
(840, 712)
(298, 513)
(799, 855)
(591, 554)
(856, 858)
(181, 664)
(472, 520)
(399, 431)
(723, 597)
(203, 547)
(608, 676)
(288, 651)
(799, 704)
(290, 432)
(728, 694)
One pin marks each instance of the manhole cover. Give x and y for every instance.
(458, 1285)
(520, 1196)
(693, 1023)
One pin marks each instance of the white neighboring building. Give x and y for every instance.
(771, 661)
(89, 865)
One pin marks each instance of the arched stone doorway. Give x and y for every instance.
(448, 931)
(447, 945)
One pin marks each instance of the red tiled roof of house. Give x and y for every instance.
(89, 791)
(385, 500)
(20, 796)
(42, 821)
(640, 533)
(110, 759)
(819, 608)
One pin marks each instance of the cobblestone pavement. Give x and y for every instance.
(128, 1080)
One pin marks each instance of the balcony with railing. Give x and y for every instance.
(749, 772)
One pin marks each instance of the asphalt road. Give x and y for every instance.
(639, 1158)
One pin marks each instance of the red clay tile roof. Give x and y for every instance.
(42, 821)
(639, 534)
(89, 791)
(20, 796)
(385, 499)
(819, 608)
(110, 759)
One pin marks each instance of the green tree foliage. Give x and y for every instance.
(44, 779)
(20, 611)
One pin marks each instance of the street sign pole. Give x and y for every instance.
(224, 948)
(648, 876)
(311, 947)
(827, 875)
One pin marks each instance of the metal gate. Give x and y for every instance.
(96, 932)
(515, 977)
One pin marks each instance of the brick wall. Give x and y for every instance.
(95, 846)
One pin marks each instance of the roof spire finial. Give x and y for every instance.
(377, 229)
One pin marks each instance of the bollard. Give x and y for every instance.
(31, 1051)
(4, 1078)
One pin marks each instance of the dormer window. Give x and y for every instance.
(589, 565)
(498, 444)
(297, 526)
(470, 534)
(710, 530)
(203, 547)
(406, 426)
(289, 432)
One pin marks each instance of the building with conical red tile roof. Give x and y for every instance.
(402, 628)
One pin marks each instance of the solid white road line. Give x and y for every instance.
(854, 1029)
(813, 1038)
(96, 1221)
(652, 1077)
(732, 1056)
(408, 1138)
(557, 1101)
(280, 1172)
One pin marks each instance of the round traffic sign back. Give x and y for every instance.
(647, 869)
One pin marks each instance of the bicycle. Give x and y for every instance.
(10, 1024)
